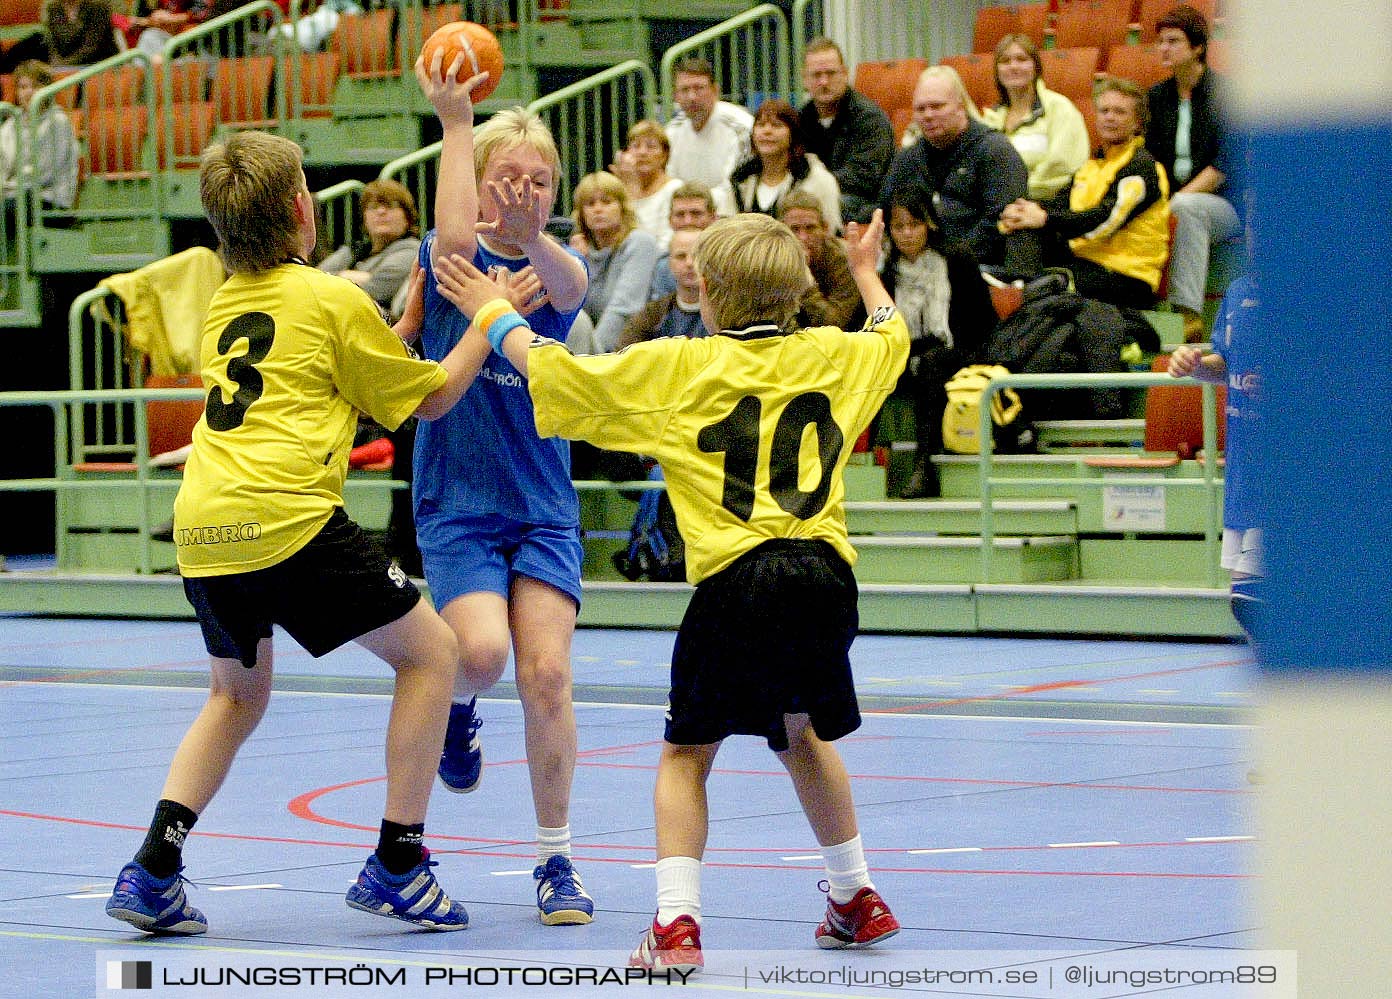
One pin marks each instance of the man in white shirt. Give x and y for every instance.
(709, 137)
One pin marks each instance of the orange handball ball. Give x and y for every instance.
(482, 53)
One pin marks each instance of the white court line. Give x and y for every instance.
(950, 849)
(642, 867)
(91, 894)
(508, 874)
(807, 856)
(1218, 839)
(1066, 846)
(239, 887)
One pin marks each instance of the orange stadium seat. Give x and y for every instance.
(1034, 20)
(1138, 63)
(7, 93)
(1098, 24)
(890, 84)
(978, 73)
(192, 124)
(115, 140)
(121, 85)
(408, 40)
(1070, 72)
(242, 91)
(21, 12)
(318, 77)
(363, 44)
(188, 81)
(993, 24)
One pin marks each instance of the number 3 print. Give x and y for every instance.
(258, 329)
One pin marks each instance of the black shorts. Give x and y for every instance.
(767, 636)
(337, 588)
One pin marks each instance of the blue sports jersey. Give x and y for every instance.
(1234, 339)
(484, 455)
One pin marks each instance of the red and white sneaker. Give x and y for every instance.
(862, 922)
(675, 947)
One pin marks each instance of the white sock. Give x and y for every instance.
(846, 870)
(553, 841)
(678, 889)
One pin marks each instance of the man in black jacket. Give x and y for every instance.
(850, 133)
(1187, 135)
(969, 171)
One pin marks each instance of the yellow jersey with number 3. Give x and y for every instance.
(752, 427)
(289, 357)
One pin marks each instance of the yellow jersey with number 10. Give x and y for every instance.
(289, 357)
(752, 427)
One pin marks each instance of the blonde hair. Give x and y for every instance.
(954, 80)
(754, 270)
(646, 128)
(603, 185)
(508, 129)
(248, 185)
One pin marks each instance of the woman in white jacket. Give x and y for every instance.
(780, 164)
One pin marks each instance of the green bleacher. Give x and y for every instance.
(1082, 538)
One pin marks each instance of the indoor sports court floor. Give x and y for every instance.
(1016, 796)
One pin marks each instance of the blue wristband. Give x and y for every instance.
(502, 326)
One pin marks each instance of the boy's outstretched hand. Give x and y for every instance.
(521, 215)
(863, 242)
(465, 285)
(408, 326)
(453, 101)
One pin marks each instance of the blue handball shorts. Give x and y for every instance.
(482, 554)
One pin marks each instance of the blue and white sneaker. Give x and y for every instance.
(415, 896)
(461, 762)
(155, 905)
(561, 896)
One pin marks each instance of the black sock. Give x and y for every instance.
(399, 847)
(162, 853)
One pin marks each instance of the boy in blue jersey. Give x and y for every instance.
(1233, 361)
(753, 426)
(496, 515)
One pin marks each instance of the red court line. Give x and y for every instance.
(1056, 685)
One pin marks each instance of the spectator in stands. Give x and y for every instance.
(780, 165)
(679, 312)
(621, 258)
(693, 207)
(380, 263)
(969, 171)
(709, 137)
(1188, 136)
(832, 299)
(75, 33)
(938, 289)
(850, 133)
(1111, 225)
(51, 166)
(1045, 128)
(642, 166)
(159, 21)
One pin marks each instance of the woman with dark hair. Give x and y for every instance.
(938, 289)
(780, 164)
(380, 262)
(1046, 128)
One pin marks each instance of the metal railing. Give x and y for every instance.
(340, 220)
(749, 52)
(591, 118)
(1210, 481)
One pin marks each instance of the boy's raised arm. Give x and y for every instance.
(863, 254)
(456, 189)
